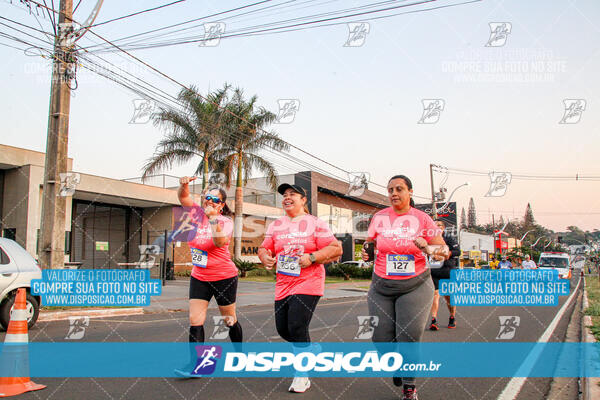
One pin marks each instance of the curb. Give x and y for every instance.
(94, 313)
(591, 390)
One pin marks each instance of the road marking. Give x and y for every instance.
(514, 386)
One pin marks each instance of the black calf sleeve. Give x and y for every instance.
(196, 334)
(235, 332)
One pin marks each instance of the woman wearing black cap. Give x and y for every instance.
(297, 244)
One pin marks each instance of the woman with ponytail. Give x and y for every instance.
(213, 273)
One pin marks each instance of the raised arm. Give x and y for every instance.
(183, 193)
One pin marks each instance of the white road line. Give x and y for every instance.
(514, 386)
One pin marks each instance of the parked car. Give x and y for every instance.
(359, 263)
(17, 269)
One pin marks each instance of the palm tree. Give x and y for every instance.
(194, 131)
(239, 154)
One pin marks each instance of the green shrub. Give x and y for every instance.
(593, 310)
(185, 273)
(348, 271)
(244, 266)
(261, 272)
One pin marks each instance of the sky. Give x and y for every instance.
(359, 105)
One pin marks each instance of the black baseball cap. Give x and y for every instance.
(285, 186)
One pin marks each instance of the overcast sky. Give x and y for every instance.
(359, 105)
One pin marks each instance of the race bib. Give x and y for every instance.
(400, 264)
(433, 264)
(199, 257)
(288, 265)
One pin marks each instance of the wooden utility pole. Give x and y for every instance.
(52, 240)
(433, 205)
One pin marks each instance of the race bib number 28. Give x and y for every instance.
(400, 264)
(288, 265)
(199, 257)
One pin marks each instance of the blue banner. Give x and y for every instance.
(523, 288)
(96, 287)
(225, 359)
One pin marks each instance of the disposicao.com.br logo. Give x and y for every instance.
(351, 362)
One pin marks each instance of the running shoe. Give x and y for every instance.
(451, 323)
(434, 325)
(185, 373)
(410, 393)
(299, 384)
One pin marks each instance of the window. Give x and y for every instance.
(4, 257)
(10, 233)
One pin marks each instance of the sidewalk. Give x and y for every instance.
(174, 297)
(175, 294)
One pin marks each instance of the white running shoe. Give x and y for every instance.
(299, 385)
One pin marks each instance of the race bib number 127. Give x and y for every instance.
(400, 264)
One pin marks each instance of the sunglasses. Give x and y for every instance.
(212, 198)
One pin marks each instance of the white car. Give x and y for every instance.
(17, 269)
(359, 264)
(556, 260)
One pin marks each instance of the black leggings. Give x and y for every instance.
(292, 316)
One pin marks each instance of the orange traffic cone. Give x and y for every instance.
(15, 356)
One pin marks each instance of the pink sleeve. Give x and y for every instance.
(323, 235)
(268, 242)
(372, 231)
(227, 226)
(429, 229)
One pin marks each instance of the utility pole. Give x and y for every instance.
(433, 206)
(52, 241)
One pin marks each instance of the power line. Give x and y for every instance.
(272, 23)
(136, 13)
(224, 109)
(575, 177)
(192, 20)
(287, 28)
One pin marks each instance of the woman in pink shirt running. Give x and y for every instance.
(401, 292)
(213, 273)
(297, 244)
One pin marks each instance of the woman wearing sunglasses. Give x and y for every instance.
(213, 273)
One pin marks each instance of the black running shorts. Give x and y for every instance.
(439, 273)
(224, 290)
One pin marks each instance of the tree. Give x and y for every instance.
(472, 217)
(239, 153)
(463, 219)
(194, 131)
(528, 220)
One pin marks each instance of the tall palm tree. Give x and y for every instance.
(194, 131)
(239, 152)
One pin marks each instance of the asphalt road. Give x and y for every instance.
(335, 320)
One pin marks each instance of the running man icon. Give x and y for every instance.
(508, 327)
(366, 327)
(207, 360)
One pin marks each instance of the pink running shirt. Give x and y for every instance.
(309, 234)
(394, 235)
(219, 265)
